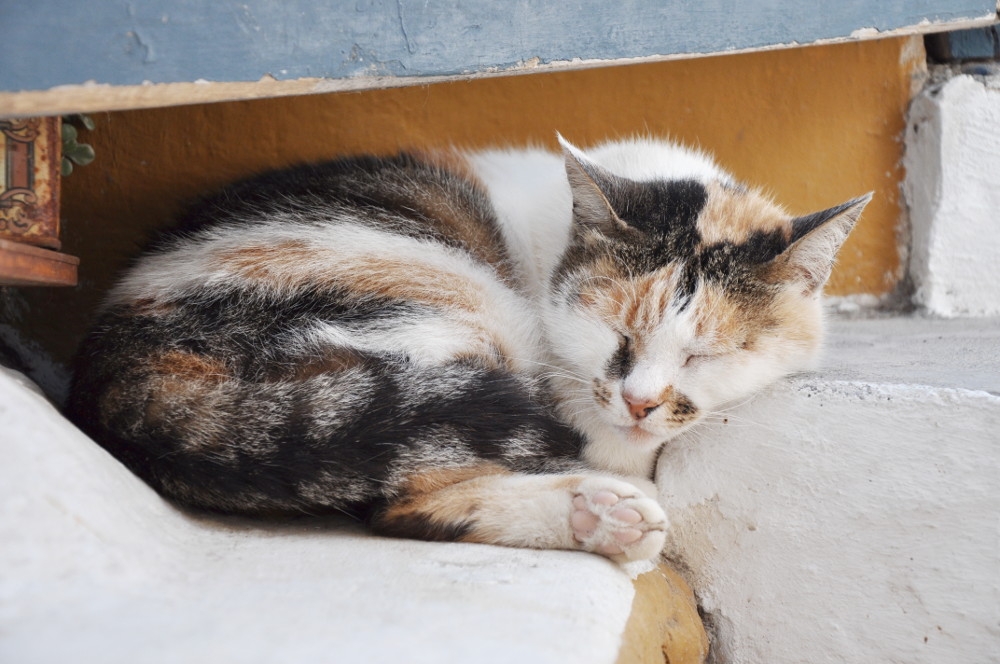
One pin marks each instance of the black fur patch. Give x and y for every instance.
(732, 266)
(661, 208)
(620, 364)
(660, 218)
(416, 525)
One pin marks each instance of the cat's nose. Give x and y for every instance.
(640, 407)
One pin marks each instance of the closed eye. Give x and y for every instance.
(693, 360)
(696, 357)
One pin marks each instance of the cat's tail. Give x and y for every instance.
(344, 439)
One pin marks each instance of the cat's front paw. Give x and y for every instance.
(617, 520)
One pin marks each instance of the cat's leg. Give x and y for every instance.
(488, 504)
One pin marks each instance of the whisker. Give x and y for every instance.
(733, 405)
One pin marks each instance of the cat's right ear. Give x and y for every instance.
(815, 240)
(588, 183)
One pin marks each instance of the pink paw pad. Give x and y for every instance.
(614, 519)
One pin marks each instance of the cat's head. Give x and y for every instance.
(681, 291)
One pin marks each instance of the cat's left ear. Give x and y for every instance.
(816, 238)
(588, 182)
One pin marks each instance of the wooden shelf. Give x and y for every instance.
(25, 265)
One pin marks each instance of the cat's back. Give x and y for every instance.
(396, 256)
(362, 204)
(314, 225)
(306, 338)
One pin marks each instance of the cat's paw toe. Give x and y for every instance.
(615, 519)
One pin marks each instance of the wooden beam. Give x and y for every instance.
(25, 265)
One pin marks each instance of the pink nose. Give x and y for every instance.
(640, 407)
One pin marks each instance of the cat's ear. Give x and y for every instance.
(816, 238)
(588, 182)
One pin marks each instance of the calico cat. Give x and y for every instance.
(482, 347)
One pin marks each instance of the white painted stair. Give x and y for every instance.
(852, 515)
(849, 515)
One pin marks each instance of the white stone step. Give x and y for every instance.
(845, 515)
(97, 568)
(852, 515)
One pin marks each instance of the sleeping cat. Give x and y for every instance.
(481, 347)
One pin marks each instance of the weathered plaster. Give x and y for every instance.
(952, 189)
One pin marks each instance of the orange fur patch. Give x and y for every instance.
(333, 360)
(188, 366)
(799, 324)
(727, 324)
(396, 279)
(180, 379)
(733, 216)
(431, 480)
(438, 504)
(636, 305)
(149, 306)
(368, 275)
(270, 262)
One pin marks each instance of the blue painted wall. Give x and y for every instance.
(54, 42)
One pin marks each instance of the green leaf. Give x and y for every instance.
(81, 153)
(86, 122)
(68, 132)
(67, 167)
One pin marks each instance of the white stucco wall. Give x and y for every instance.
(852, 516)
(952, 188)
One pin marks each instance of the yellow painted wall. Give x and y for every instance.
(814, 125)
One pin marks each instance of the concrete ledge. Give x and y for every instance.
(98, 568)
(850, 516)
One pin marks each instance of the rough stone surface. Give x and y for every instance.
(952, 188)
(850, 516)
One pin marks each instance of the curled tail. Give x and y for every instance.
(341, 435)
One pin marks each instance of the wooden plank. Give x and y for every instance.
(25, 265)
(371, 43)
